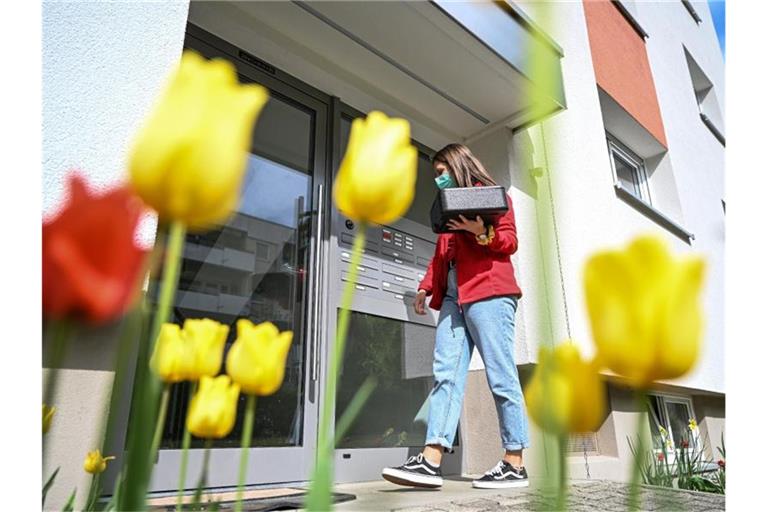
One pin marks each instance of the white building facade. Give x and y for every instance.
(627, 139)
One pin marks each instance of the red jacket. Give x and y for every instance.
(482, 271)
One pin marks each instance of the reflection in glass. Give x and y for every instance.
(656, 420)
(255, 267)
(678, 422)
(627, 175)
(399, 355)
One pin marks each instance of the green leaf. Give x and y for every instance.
(319, 497)
(698, 483)
(49, 483)
(115, 499)
(70, 505)
(355, 406)
(721, 448)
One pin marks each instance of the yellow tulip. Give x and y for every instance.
(172, 358)
(95, 463)
(377, 176)
(48, 413)
(206, 338)
(189, 159)
(213, 409)
(256, 360)
(191, 352)
(565, 394)
(644, 311)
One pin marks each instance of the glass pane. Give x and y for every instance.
(399, 355)
(425, 182)
(426, 190)
(678, 421)
(626, 173)
(284, 134)
(656, 420)
(254, 267)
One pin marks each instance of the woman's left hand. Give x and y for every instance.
(476, 227)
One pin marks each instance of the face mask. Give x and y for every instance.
(445, 181)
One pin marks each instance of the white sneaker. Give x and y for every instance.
(502, 476)
(416, 472)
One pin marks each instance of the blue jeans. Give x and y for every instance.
(488, 324)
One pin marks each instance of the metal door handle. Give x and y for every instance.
(315, 363)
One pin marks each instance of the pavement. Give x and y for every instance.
(457, 495)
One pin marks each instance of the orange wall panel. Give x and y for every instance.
(621, 65)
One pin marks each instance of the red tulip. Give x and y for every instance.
(684, 443)
(660, 456)
(721, 463)
(91, 264)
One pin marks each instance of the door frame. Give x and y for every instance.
(364, 464)
(293, 465)
(286, 464)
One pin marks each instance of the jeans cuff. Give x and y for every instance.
(441, 441)
(515, 446)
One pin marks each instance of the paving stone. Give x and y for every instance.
(480, 504)
(584, 496)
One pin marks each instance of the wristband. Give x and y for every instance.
(485, 239)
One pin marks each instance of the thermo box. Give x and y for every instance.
(488, 202)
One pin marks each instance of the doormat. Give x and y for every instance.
(256, 500)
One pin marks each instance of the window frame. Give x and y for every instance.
(663, 399)
(262, 243)
(616, 147)
(705, 96)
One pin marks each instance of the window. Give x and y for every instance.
(583, 442)
(706, 99)
(691, 11)
(262, 251)
(673, 414)
(629, 171)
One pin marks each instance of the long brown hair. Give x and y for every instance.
(464, 166)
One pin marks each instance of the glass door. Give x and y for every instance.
(260, 266)
(385, 340)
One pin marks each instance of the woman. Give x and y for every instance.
(472, 284)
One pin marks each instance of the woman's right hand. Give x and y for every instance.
(418, 303)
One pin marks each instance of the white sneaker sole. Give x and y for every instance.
(399, 477)
(506, 484)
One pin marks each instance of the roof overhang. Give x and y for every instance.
(456, 70)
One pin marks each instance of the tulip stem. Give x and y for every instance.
(203, 481)
(91, 501)
(160, 424)
(140, 461)
(320, 489)
(185, 444)
(634, 482)
(562, 444)
(129, 331)
(170, 281)
(245, 446)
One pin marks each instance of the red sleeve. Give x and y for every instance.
(426, 283)
(505, 239)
